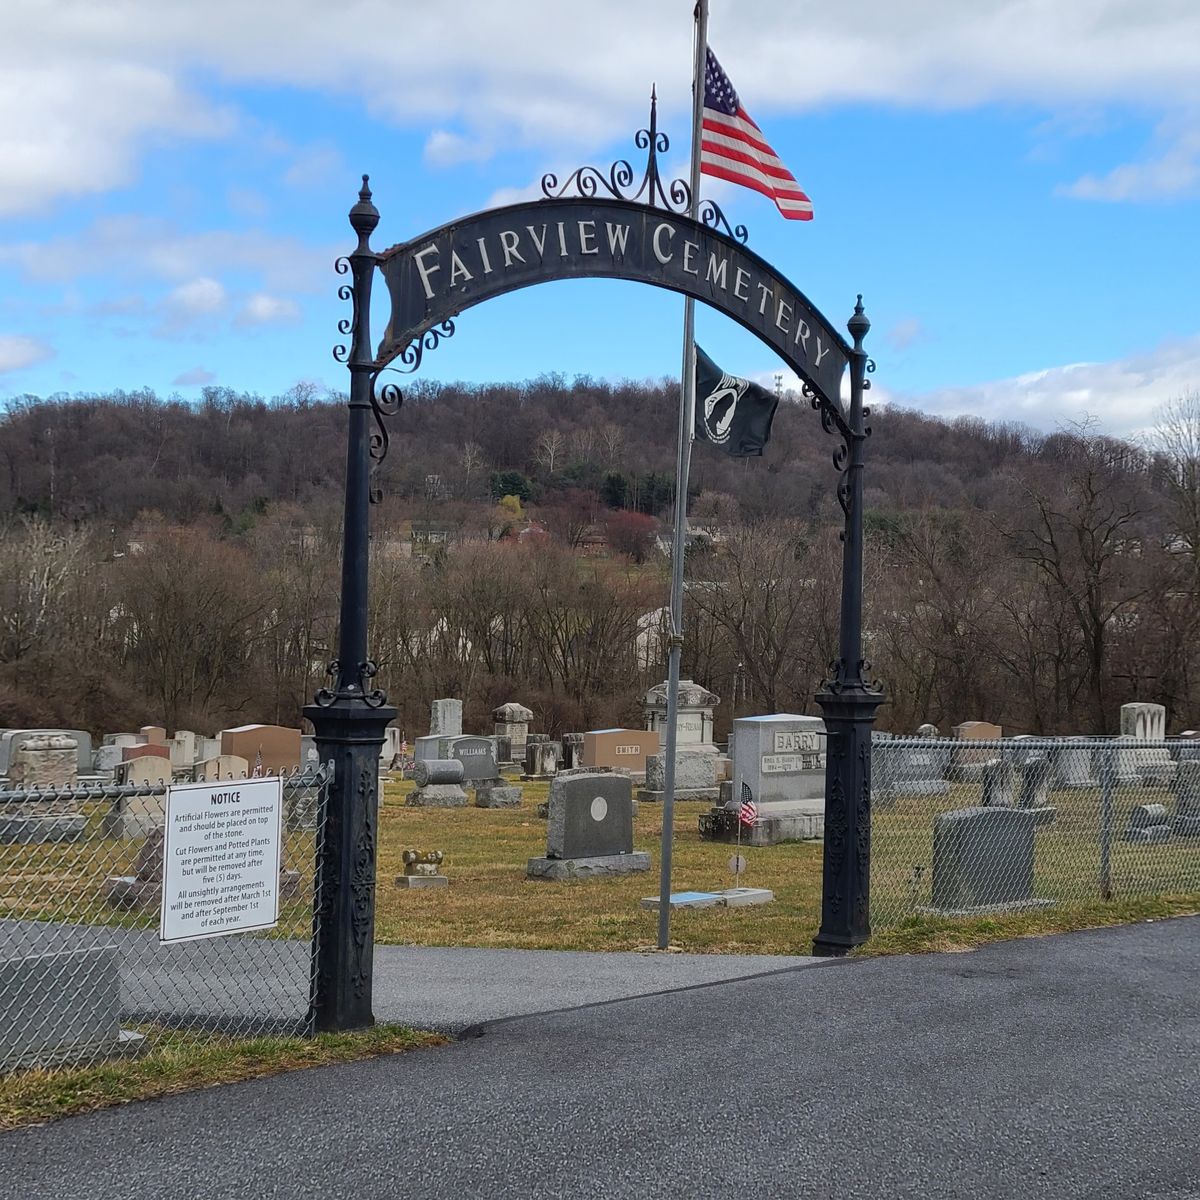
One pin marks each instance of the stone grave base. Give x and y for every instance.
(1151, 835)
(422, 881)
(739, 897)
(437, 795)
(708, 795)
(41, 827)
(778, 821)
(1043, 815)
(588, 868)
(982, 910)
(495, 795)
(128, 891)
(70, 1006)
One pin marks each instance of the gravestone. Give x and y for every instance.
(120, 739)
(780, 759)
(69, 1005)
(143, 888)
(694, 715)
(107, 759)
(967, 764)
(983, 861)
(503, 749)
(439, 784)
(309, 757)
(541, 760)
(137, 815)
(572, 750)
(927, 731)
(429, 747)
(1187, 799)
(908, 770)
(153, 735)
(476, 755)
(1000, 782)
(389, 752)
(422, 870)
(182, 749)
(1034, 787)
(590, 830)
(147, 750)
(210, 747)
(445, 718)
(44, 760)
(695, 777)
(223, 766)
(511, 720)
(45, 763)
(1148, 723)
(497, 793)
(269, 749)
(1073, 766)
(1148, 824)
(627, 749)
(11, 741)
(138, 767)
(1126, 757)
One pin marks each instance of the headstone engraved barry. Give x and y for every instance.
(221, 858)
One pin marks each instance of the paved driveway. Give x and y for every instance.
(1064, 1067)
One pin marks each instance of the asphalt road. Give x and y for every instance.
(1063, 1067)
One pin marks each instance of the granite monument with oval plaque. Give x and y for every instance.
(590, 830)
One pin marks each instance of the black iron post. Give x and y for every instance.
(849, 700)
(349, 718)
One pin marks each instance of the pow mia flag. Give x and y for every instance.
(732, 413)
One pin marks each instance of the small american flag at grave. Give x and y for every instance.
(748, 813)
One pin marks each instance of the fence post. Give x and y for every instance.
(1108, 785)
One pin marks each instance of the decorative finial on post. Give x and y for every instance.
(364, 216)
(858, 324)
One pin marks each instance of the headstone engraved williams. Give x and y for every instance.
(590, 830)
(477, 755)
(983, 861)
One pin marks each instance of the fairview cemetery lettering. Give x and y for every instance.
(438, 275)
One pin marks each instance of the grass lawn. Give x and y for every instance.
(181, 1061)
(490, 902)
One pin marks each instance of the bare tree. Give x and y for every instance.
(549, 446)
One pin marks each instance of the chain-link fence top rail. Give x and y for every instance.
(80, 890)
(963, 827)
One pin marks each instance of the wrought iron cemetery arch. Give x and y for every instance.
(596, 224)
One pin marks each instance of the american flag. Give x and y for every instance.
(733, 148)
(748, 813)
(258, 763)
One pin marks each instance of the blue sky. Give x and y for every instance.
(1014, 186)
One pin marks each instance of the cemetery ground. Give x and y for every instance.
(490, 902)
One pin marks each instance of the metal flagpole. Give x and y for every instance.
(683, 454)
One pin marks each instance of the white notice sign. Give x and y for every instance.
(221, 858)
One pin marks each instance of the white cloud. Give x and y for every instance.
(263, 309)
(446, 149)
(196, 377)
(1172, 171)
(103, 79)
(1123, 395)
(905, 332)
(18, 351)
(199, 298)
(134, 247)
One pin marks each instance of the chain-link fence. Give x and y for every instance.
(83, 974)
(969, 828)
